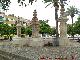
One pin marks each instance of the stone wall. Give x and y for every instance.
(29, 41)
(39, 41)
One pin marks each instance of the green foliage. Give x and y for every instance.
(54, 2)
(72, 10)
(71, 30)
(53, 31)
(5, 29)
(5, 3)
(14, 31)
(45, 28)
(28, 31)
(23, 30)
(50, 1)
(47, 1)
(77, 26)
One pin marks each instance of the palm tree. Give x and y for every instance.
(56, 18)
(55, 4)
(72, 11)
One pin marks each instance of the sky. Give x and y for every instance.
(42, 12)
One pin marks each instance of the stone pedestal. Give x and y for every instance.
(36, 42)
(18, 30)
(18, 27)
(15, 38)
(64, 41)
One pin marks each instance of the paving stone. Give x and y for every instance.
(35, 53)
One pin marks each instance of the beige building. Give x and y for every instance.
(28, 22)
(9, 22)
(12, 19)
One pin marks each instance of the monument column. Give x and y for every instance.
(35, 25)
(18, 26)
(64, 41)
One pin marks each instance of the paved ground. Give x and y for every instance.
(51, 52)
(34, 53)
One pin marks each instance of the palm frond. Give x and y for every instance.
(48, 5)
(72, 10)
(47, 1)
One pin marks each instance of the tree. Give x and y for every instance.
(14, 30)
(70, 29)
(53, 31)
(55, 4)
(5, 3)
(77, 26)
(72, 11)
(45, 28)
(28, 31)
(1, 29)
(7, 31)
(22, 30)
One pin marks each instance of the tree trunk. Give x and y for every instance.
(56, 18)
(72, 28)
(72, 21)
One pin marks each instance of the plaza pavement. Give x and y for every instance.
(35, 53)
